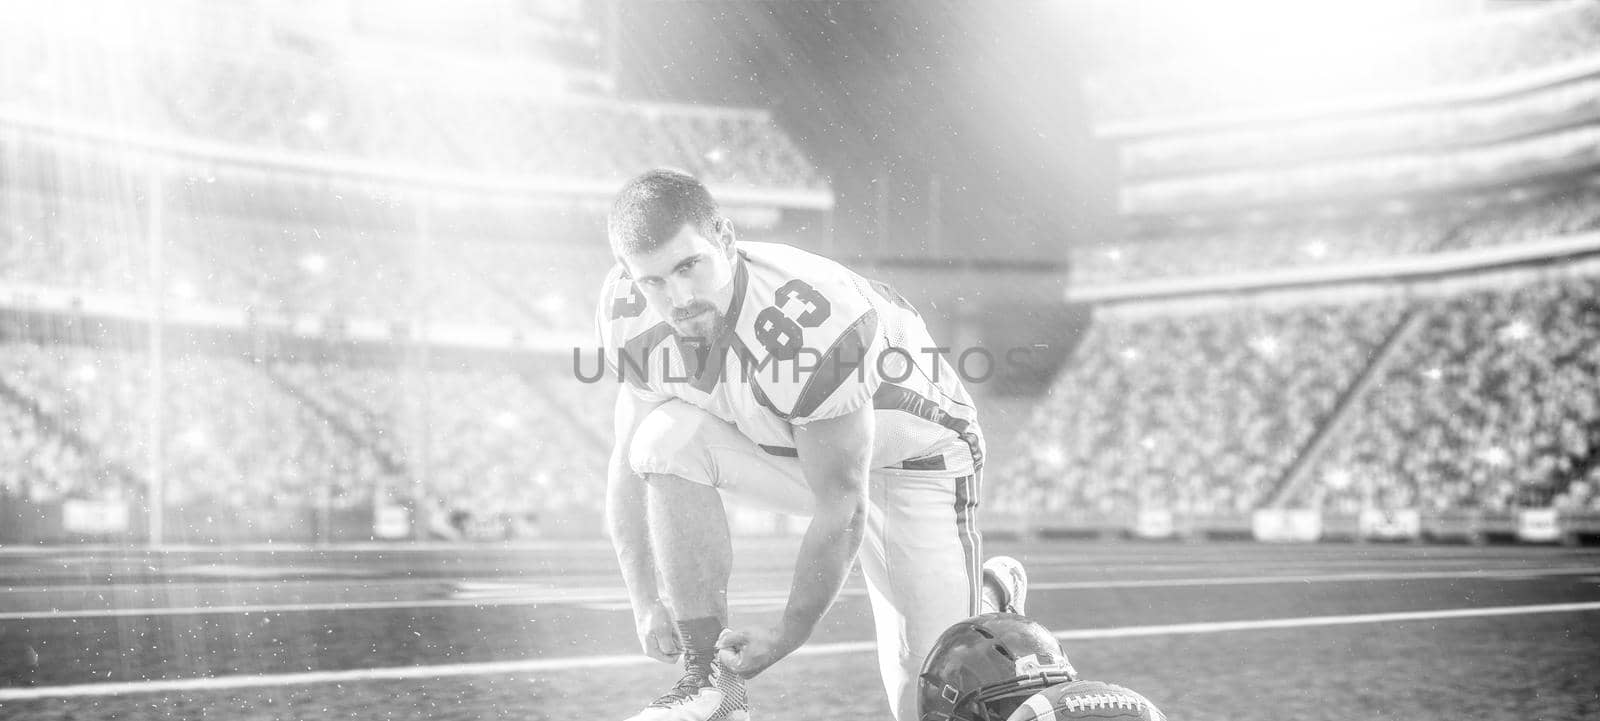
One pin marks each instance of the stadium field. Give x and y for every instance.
(1209, 631)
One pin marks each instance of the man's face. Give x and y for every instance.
(688, 280)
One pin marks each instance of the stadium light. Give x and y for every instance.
(1495, 456)
(314, 263)
(194, 437)
(1053, 456)
(1517, 331)
(316, 121)
(552, 304)
(184, 290)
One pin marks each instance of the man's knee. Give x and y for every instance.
(665, 447)
(670, 482)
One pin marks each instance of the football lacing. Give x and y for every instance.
(1102, 700)
(697, 676)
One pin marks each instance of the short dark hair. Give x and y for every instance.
(651, 208)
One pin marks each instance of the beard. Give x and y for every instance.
(699, 323)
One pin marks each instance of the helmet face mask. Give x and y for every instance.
(983, 668)
(995, 702)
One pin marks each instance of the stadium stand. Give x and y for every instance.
(1494, 404)
(330, 269)
(1454, 222)
(1195, 413)
(232, 441)
(40, 466)
(479, 438)
(302, 103)
(1482, 49)
(1402, 130)
(293, 436)
(1562, 152)
(1212, 383)
(74, 244)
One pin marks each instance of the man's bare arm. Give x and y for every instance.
(630, 532)
(835, 456)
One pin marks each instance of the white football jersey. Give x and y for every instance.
(811, 340)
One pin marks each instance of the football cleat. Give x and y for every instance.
(1008, 576)
(708, 691)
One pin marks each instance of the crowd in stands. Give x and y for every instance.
(60, 242)
(552, 285)
(322, 108)
(1195, 413)
(544, 279)
(231, 438)
(482, 439)
(1493, 404)
(40, 466)
(1489, 47)
(480, 442)
(1546, 215)
(1490, 400)
(1451, 224)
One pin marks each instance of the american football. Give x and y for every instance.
(1087, 700)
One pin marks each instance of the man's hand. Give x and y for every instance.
(657, 636)
(749, 652)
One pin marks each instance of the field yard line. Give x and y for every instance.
(609, 598)
(1178, 629)
(300, 607)
(1318, 578)
(576, 663)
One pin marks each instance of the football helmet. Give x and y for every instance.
(983, 668)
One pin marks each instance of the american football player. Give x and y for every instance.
(1001, 666)
(764, 374)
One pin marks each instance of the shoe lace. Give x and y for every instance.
(697, 671)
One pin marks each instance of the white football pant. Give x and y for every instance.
(921, 557)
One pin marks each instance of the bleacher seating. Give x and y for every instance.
(67, 243)
(1475, 51)
(1195, 413)
(243, 435)
(230, 437)
(40, 466)
(464, 276)
(1454, 223)
(1406, 130)
(1494, 404)
(480, 437)
(320, 107)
